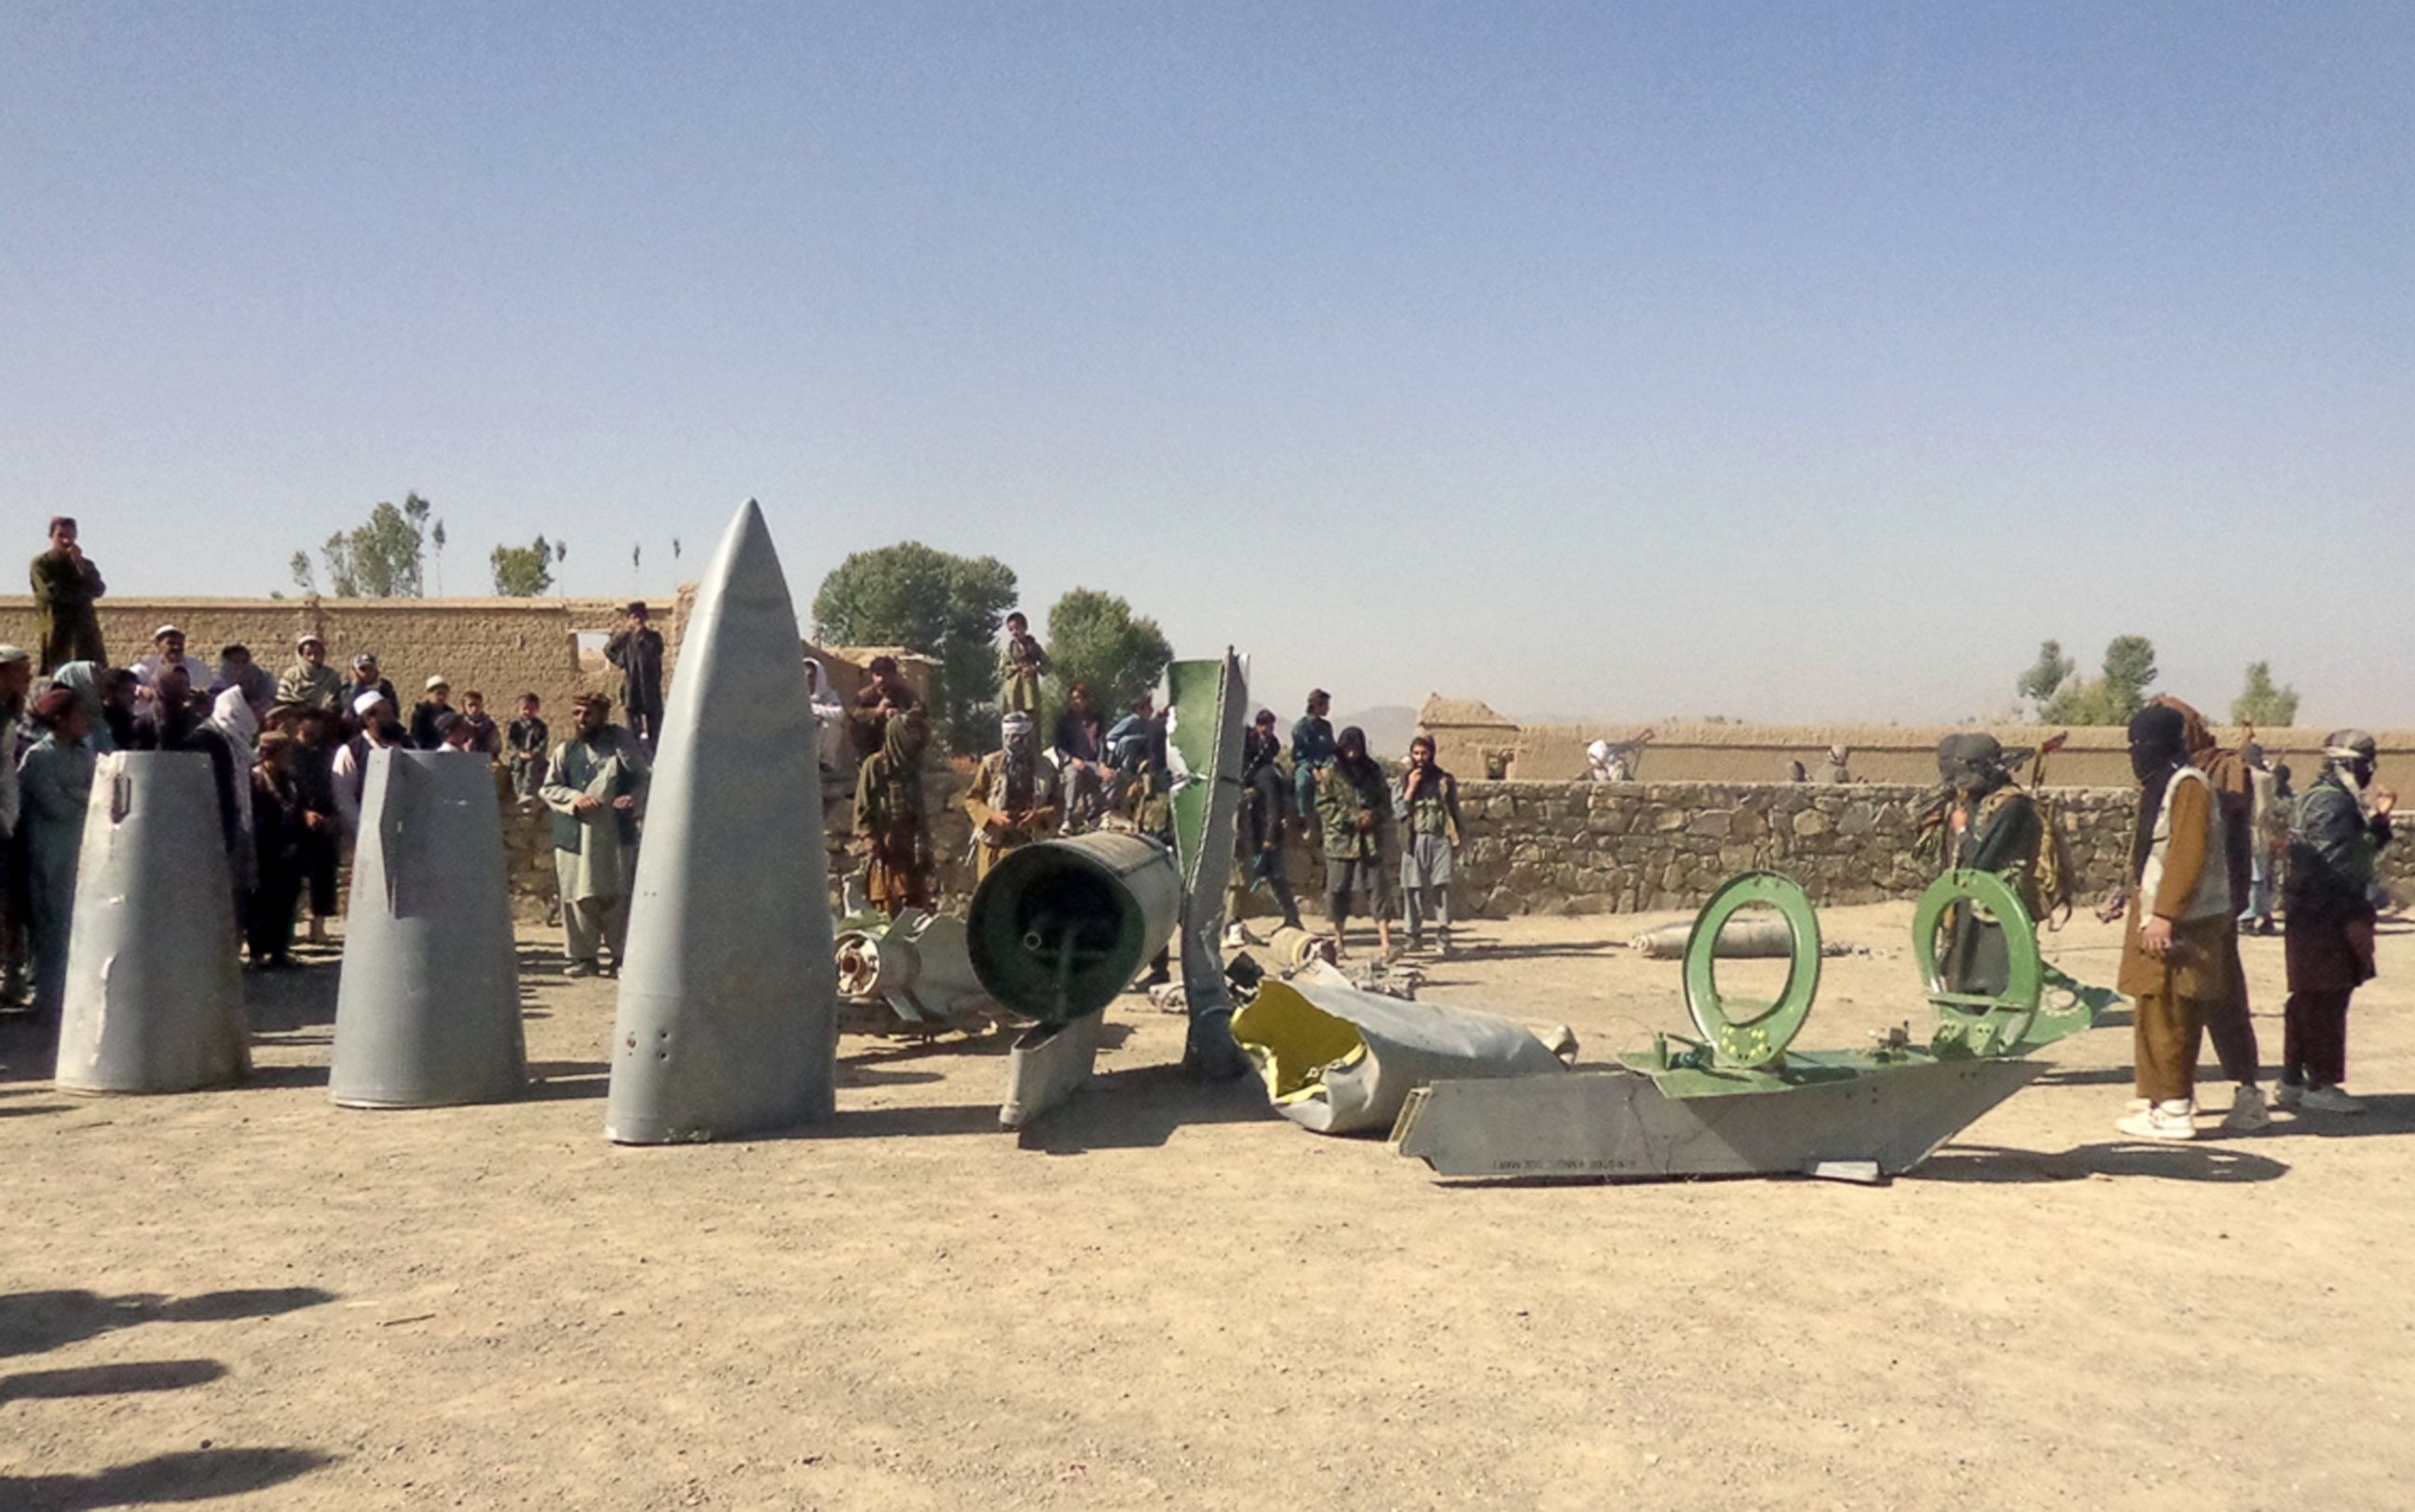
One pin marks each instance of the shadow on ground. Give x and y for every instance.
(32, 1322)
(2201, 1160)
(190, 1475)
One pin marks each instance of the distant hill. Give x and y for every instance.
(1389, 727)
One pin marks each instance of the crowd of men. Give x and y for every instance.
(290, 755)
(2220, 839)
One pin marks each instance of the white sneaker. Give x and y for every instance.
(2138, 1105)
(2247, 1114)
(2331, 1100)
(2287, 1097)
(2164, 1121)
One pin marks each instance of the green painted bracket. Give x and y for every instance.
(1980, 1024)
(1752, 1034)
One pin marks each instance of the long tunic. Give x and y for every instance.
(1432, 821)
(305, 686)
(638, 653)
(891, 822)
(2197, 967)
(1020, 664)
(987, 798)
(2004, 837)
(65, 587)
(594, 853)
(2334, 852)
(55, 786)
(1341, 803)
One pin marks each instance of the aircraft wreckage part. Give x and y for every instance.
(1607, 1124)
(427, 1009)
(727, 1021)
(1746, 1034)
(1210, 702)
(1059, 928)
(1294, 948)
(1988, 1022)
(154, 997)
(918, 965)
(1338, 1061)
(1741, 938)
(1047, 1064)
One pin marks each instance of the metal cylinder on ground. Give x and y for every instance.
(1059, 928)
(427, 1009)
(153, 999)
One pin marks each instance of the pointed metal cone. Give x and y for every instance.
(427, 1012)
(728, 1012)
(154, 991)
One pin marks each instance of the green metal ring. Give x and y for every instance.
(1752, 1034)
(1987, 1024)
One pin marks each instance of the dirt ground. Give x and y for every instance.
(1170, 1296)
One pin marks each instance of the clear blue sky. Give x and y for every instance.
(1787, 362)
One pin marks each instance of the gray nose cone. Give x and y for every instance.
(729, 1007)
(153, 992)
(427, 1012)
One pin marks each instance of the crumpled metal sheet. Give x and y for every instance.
(1336, 1061)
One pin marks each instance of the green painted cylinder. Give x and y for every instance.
(1059, 928)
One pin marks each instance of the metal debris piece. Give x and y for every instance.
(729, 1006)
(154, 997)
(915, 971)
(1743, 1102)
(1057, 928)
(427, 1009)
(1338, 1061)
(1211, 713)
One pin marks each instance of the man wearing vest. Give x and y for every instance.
(595, 785)
(2341, 825)
(2174, 964)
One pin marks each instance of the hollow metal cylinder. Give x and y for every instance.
(1059, 928)
(154, 991)
(427, 1011)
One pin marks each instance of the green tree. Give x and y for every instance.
(2263, 703)
(2112, 697)
(382, 558)
(1096, 640)
(303, 578)
(933, 601)
(2046, 674)
(522, 571)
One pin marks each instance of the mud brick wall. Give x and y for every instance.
(501, 647)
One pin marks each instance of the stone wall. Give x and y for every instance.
(1572, 847)
(1596, 848)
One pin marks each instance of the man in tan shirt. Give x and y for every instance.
(2174, 966)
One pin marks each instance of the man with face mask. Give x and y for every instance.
(2341, 824)
(1996, 829)
(1012, 800)
(2173, 964)
(1353, 806)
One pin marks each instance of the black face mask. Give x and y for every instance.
(2362, 772)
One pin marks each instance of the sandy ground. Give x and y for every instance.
(1169, 1297)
